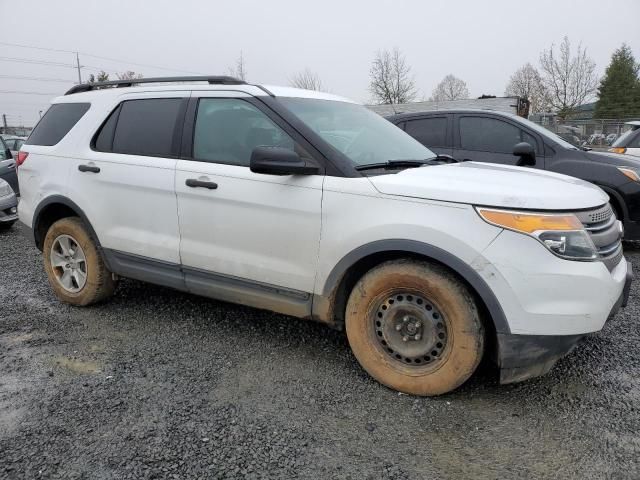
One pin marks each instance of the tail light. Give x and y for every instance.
(618, 150)
(22, 156)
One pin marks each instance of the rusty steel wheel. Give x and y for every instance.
(415, 327)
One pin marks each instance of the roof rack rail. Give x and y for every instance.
(214, 80)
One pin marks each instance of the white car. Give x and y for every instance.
(629, 142)
(311, 205)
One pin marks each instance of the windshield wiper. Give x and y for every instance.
(393, 164)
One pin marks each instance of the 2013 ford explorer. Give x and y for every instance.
(308, 204)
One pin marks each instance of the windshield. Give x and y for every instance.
(621, 141)
(360, 134)
(548, 133)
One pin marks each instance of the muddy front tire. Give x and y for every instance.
(77, 273)
(415, 327)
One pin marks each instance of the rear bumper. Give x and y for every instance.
(521, 357)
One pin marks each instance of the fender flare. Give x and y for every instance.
(613, 193)
(463, 269)
(61, 200)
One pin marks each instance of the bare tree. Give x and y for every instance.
(569, 80)
(308, 80)
(102, 76)
(239, 70)
(527, 83)
(450, 88)
(129, 75)
(391, 79)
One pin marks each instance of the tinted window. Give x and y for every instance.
(530, 139)
(488, 135)
(104, 140)
(146, 127)
(635, 141)
(56, 123)
(228, 129)
(430, 132)
(3, 149)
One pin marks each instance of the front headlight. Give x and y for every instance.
(5, 189)
(562, 233)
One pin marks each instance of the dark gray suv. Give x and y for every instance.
(498, 137)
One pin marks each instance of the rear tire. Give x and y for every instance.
(77, 273)
(415, 327)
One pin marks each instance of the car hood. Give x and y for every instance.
(492, 185)
(613, 158)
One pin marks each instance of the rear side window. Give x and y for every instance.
(56, 123)
(141, 127)
(431, 132)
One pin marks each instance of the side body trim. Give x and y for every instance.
(213, 285)
(411, 246)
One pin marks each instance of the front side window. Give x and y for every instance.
(431, 132)
(56, 123)
(228, 129)
(361, 135)
(483, 134)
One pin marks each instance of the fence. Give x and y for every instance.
(591, 132)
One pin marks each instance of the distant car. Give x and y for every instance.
(596, 139)
(629, 142)
(571, 138)
(14, 144)
(498, 137)
(8, 166)
(610, 138)
(8, 206)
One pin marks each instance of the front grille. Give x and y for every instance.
(604, 229)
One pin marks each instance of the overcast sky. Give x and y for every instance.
(482, 42)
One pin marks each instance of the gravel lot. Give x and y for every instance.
(160, 384)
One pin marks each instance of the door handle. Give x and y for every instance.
(195, 183)
(89, 168)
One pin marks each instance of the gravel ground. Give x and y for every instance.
(160, 384)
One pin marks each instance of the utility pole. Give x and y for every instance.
(78, 65)
(4, 121)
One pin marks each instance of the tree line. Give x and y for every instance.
(565, 80)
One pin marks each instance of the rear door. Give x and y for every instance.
(433, 131)
(124, 178)
(487, 138)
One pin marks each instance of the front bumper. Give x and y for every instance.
(8, 209)
(521, 357)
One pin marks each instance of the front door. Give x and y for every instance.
(490, 139)
(243, 232)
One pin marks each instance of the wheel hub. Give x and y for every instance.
(410, 329)
(69, 263)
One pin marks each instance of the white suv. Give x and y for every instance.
(311, 205)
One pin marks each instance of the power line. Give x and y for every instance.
(109, 59)
(36, 48)
(31, 93)
(34, 61)
(39, 79)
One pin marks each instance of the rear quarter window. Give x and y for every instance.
(56, 123)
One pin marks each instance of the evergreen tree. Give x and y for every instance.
(619, 91)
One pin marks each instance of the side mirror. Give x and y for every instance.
(7, 154)
(526, 152)
(279, 161)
